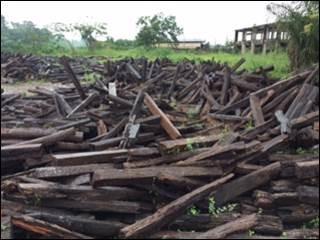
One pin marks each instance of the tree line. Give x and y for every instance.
(27, 37)
(299, 18)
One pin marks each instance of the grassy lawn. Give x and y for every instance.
(279, 60)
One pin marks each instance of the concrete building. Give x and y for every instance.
(261, 38)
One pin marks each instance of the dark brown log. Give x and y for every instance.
(20, 149)
(256, 110)
(125, 176)
(309, 195)
(242, 224)
(88, 158)
(84, 225)
(165, 122)
(52, 138)
(54, 172)
(226, 85)
(24, 133)
(166, 159)
(246, 183)
(72, 76)
(182, 143)
(171, 211)
(309, 169)
(83, 104)
(44, 228)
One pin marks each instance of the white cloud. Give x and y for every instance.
(211, 21)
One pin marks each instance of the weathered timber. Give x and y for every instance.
(52, 138)
(88, 158)
(171, 211)
(256, 110)
(242, 224)
(182, 143)
(165, 122)
(44, 228)
(73, 77)
(125, 176)
(309, 169)
(82, 225)
(246, 183)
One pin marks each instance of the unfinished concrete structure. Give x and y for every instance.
(261, 38)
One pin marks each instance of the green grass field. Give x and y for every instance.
(253, 61)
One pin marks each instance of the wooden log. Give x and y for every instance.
(179, 182)
(246, 183)
(73, 77)
(20, 149)
(94, 206)
(54, 172)
(84, 225)
(83, 104)
(104, 144)
(24, 133)
(285, 199)
(182, 143)
(166, 159)
(88, 157)
(231, 118)
(50, 139)
(133, 71)
(243, 224)
(121, 101)
(165, 122)
(125, 176)
(304, 121)
(243, 84)
(237, 65)
(256, 110)
(226, 85)
(44, 189)
(188, 88)
(62, 105)
(214, 151)
(44, 228)
(170, 212)
(10, 99)
(174, 82)
(308, 195)
(309, 169)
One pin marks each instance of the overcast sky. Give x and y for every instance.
(210, 21)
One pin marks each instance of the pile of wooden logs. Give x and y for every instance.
(163, 150)
(18, 68)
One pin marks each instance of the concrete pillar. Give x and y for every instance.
(236, 36)
(265, 41)
(277, 42)
(243, 42)
(253, 41)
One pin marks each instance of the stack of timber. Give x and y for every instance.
(163, 150)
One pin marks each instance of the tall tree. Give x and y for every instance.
(157, 29)
(301, 20)
(88, 32)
